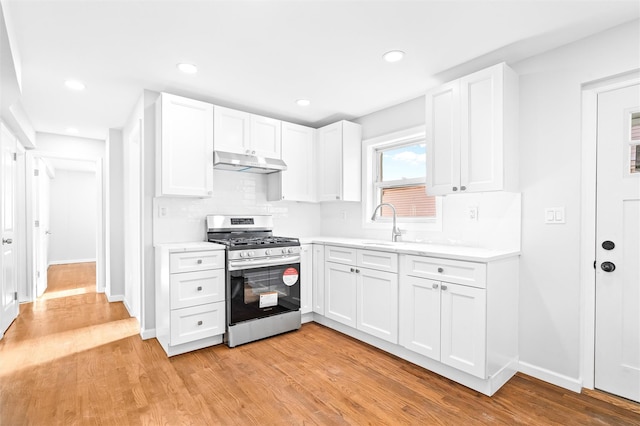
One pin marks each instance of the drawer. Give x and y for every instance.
(380, 260)
(197, 288)
(339, 254)
(196, 260)
(453, 271)
(197, 322)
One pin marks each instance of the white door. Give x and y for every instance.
(231, 130)
(42, 185)
(617, 352)
(8, 256)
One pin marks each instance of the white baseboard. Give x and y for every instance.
(148, 334)
(552, 377)
(115, 298)
(64, 262)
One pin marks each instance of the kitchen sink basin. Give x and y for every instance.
(379, 244)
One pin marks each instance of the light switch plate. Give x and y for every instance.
(554, 215)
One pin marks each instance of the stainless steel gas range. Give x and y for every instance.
(263, 277)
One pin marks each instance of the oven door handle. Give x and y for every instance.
(238, 265)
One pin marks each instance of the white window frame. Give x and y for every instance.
(370, 186)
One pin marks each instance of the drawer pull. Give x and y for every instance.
(357, 271)
(199, 261)
(440, 270)
(444, 287)
(199, 288)
(352, 270)
(199, 322)
(434, 285)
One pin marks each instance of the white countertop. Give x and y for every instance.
(193, 246)
(458, 252)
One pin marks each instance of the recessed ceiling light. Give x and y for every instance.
(72, 130)
(303, 102)
(74, 84)
(188, 68)
(393, 56)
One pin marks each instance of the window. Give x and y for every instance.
(395, 173)
(400, 180)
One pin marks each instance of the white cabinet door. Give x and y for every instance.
(185, 147)
(471, 130)
(443, 139)
(265, 137)
(481, 125)
(306, 278)
(463, 327)
(318, 279)
(298, 153)
(377, 307)
(330, 162)
(340, 293)
(232, 130)
(420, 316)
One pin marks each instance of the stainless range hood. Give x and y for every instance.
(247, 163)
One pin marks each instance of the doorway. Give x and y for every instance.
(65, 216)
(611, 245)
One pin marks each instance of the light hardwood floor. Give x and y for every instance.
(73, 358)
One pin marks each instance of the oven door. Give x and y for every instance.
(262, 292)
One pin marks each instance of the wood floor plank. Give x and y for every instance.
(73, 358)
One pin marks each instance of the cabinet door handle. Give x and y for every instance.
(357, 271)
(199, 261)
(444, 287)
(440, 270)
(337, 197)
(455, 188)
(353, 270)
(7, 241)
(199, 322)
(199, 288)
(462, 188)
(434, 285)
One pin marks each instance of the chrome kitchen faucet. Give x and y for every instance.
(395, 232)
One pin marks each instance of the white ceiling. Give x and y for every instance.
(261, 56)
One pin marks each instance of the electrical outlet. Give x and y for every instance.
(343, 215)
(162, 211)
(473, 213)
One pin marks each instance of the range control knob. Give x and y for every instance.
(241, 254)
(267, 252)
(290, 250)
(250, 254)
(284, 250)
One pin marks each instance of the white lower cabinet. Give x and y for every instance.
(362, 298)
(445, 322)
(318, 279)
(457, 318)
(190, 296)
(306, 278)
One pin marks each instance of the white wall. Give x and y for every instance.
(233, 193)
(550, 145)
(73, 212)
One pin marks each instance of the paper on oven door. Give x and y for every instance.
(269, 298)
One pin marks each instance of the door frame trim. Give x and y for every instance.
(100, 218)
(588, 207)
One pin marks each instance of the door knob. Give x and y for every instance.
(7, 241)
(608, 266)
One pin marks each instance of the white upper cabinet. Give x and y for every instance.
(184, 147)
(472, 133)
(245, 133)
(265, 137)
(297, 183)
(232, 130)
(339, 162)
